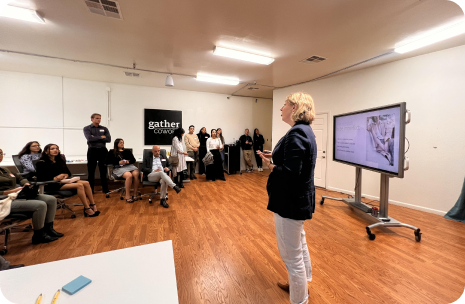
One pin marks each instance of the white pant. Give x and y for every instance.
(293, 249)
(164, 181)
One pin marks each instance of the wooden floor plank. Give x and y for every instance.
(225, 246)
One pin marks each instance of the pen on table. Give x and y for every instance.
(55, 297)
(39, 298)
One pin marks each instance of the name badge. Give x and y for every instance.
(102, 130)
(206, 136)
(12, 175)
(163, 159)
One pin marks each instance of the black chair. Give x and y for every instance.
(121, 190)
(61, 195)
(146, 182)
(12, 221)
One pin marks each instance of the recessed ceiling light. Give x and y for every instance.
(432, 37)
(242, 55)
(21, 14)
(217, 79)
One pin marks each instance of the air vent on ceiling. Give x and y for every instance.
(130, 74)
(252, 88)
(105, 8)
(313, 59)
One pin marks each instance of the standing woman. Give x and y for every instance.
(203, 136)
(258, 142)
(52, 166)
(291, 191)
(219, 134)
(215, 170)
(123, 166)
(177, 150)
(28, 154)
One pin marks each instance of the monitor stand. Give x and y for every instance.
(382, 216)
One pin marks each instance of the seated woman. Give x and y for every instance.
(215, 170)
(28, 154)
(52, 166)
(43, 207)
(123, 161)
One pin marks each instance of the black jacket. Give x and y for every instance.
(290, 186)
(245, 138)
(114, 160)
(203, 139)
(258, 142)
(148, 163)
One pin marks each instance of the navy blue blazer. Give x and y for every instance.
(290, 186)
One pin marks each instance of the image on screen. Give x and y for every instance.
(369, 139)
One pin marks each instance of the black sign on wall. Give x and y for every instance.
(159, 126)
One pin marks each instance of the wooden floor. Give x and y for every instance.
(225, 249)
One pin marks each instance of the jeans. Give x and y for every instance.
(43, 208)
(293, 249)
(164, 179)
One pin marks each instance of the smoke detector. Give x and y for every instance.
(313, 59)
(105, 8)
(130, 74)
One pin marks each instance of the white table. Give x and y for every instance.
(142, 274)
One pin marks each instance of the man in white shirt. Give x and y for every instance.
(156, 167)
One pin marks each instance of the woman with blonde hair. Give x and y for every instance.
(291, 192)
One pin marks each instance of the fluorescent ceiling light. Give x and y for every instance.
(242, 56)
(217, 79)
(21, 14)
(433, 37)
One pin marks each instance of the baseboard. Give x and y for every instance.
(416, 207)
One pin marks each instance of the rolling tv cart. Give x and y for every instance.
(232, 159)
(382, 217)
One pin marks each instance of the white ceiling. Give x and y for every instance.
(179, 36)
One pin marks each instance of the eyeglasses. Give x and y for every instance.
(2, 154)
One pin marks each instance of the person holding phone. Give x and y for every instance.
(291, 192)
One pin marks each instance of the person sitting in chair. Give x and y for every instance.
(43, 207)
(156, 167)
(123, 161)
(52, 166)
(28, 154)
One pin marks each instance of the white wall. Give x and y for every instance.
(433, 87)
(54, 109)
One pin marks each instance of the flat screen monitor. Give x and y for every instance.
(372, 139)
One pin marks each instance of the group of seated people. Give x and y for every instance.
(49, 165)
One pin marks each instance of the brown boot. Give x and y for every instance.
(284, 285)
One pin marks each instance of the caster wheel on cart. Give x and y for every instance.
(3, 251)
(73, 215)
(417, 235)
(150, 201)
(121, 198)
(322, 201)
(107, 196)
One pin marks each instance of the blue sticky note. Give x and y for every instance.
(76, 285)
